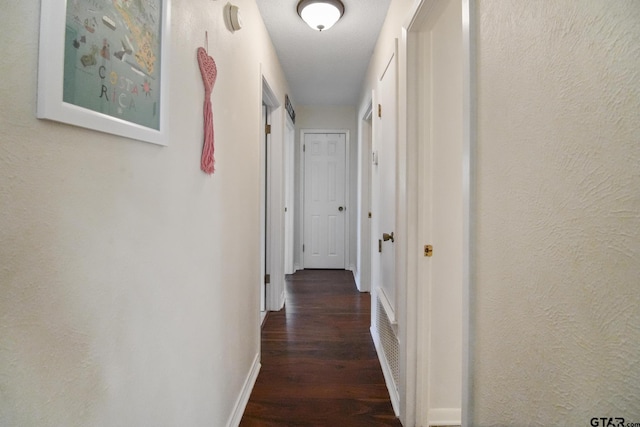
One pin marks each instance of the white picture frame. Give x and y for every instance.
(118, 88)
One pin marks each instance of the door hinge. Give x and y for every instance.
(302, 248)
(304, 147)
(369, 214)
(379, 110)
(428, 250)
(379, 245)
(267, 129)
(267, 279)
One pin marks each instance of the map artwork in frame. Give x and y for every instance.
(111, 64)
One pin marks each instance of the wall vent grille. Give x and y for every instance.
(389, 342)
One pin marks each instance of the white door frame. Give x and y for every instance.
(289, 196)
(264, 183)
(365, 150)
(271, 203)
(409, 121)
(347, 202)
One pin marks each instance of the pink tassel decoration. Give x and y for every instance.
(209, 73)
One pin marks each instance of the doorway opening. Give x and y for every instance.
(365, 150)
(269, 215)
(324, 171)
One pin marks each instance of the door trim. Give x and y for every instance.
(347, 198)
(469, 141)
(363, 221)
(420, 12)
(289, 196)
(271, 249)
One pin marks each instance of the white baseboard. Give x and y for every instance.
(245, 393)
(386, 372)
(445, 417)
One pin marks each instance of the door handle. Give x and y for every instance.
(340, 208)
(386, 236)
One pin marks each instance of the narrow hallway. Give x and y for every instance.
(319, 364)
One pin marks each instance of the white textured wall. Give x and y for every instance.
(128, 278)
(558, 212)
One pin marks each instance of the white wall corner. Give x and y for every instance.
(360, 283)
(282, 300)
(245, 393)
(356, 277)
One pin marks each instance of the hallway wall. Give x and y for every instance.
(557, 252)
(129, 278)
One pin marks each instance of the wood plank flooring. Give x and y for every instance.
(319, 364)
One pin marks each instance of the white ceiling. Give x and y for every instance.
(328, 67)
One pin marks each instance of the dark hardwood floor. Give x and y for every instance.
(319, 364)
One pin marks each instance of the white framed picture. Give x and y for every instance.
(103, 66)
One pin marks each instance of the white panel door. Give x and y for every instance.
(385, 183)
(324, 200)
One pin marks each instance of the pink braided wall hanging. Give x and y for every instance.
(209, 73)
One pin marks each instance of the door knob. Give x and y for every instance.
(386, 236)
(340, 208)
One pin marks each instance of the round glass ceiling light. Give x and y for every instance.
(320, 14)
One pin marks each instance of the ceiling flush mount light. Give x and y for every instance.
(320, 14)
